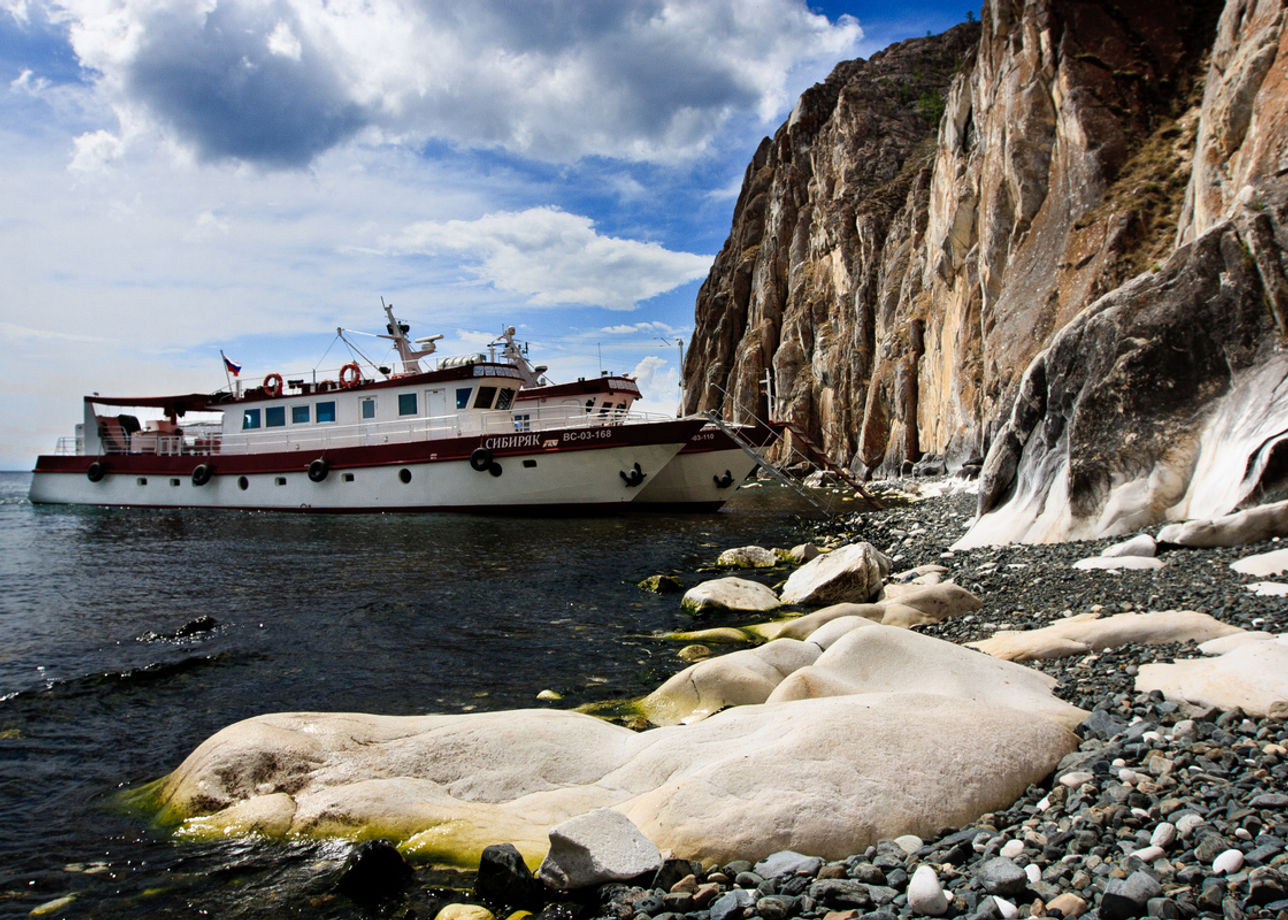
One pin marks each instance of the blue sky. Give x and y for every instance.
(179, 177)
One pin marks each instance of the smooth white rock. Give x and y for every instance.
(1268, 588)
(597, 847)
(1228, 862)
(729, 593)
(1164, 835)
(1140, 545)
(1250, 526)
(1118, 563)
(1252, 676)
(1263, 565)
(886, 658)
(1149, 853)
(1078, 635)
(1011, 849)
(1034, 872)
(1076, 778)
(909, 843)
(743, 784)
(733, 679)
(926, 894)
(1185, 824)
(1005, 909)
(749, 557)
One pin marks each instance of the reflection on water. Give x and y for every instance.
(109, 675)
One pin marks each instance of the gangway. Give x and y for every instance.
(818, 460)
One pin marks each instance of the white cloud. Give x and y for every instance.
(283, 41)
(551, 257)
(276, 84)
(95, 151)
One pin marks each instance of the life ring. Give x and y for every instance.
(318, 470)
(201, 474)
(724, 482)
(349, 382)
(633, 477)
(96, 471)
(273, 384)
(481, 460)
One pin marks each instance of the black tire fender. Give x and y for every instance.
(318, 470)
(481, 460)
(201, 474)
(96, 471)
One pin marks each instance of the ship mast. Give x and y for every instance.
(398, 335)
(532, 374)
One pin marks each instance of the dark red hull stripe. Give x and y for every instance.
(442, 450)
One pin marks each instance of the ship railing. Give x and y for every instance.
(425, 428)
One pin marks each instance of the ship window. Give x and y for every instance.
(522, 422)
(250, 419)
(347, 477)
(590, 404)
(174, 482)
(243, 483)
(603, 410)
(279, 481)
(406, 403)
(299, 415)
(463, 397)
(621, 407)
(142, 480)
(369, 407)
(326, 411)
(505, 399)
(275, 416)
(529, 464)
(485, 397)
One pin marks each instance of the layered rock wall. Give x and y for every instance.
(1100, 177)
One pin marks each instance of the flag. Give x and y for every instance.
(229, 364)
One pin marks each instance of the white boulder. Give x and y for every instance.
(1252, 525)
(735, 679)
(824, 776)
(884, 659)
(749, 557)
(1252, 675)
(853, 573)
(1140, 545)
(597, 847)
(729, 593)
(1263, 565)
(1088, 632)
(1119, 563)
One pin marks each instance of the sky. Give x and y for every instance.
(181, 177)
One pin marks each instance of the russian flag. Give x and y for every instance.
(229, 364)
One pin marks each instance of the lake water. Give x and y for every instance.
(102, 688)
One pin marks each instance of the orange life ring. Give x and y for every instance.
(347, 381)
(273, 384)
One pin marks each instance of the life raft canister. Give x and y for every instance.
(318, 470)
(350, 376)
(201, 474)
(273, 384)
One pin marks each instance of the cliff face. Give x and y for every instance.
(1072, 272)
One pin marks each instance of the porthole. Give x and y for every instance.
(142, 480)
(174, 482)
(529, 464)
(347, 477)
(243, 483)
(280, 481)
(404, 475)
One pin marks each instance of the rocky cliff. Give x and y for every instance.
(1051, 243)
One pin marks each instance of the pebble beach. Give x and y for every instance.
(1165, 810)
